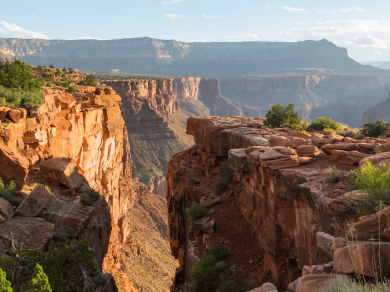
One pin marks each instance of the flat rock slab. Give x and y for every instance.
(34, 203)
(6, 210)
(61, 213)
(26, 231)
(211, 202)
(62, 170)
(209, 227)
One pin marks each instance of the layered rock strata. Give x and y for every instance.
(300, 219)
(86, 128)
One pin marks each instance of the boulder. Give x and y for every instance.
(211, 202)
(382, 148)
(26, 231)
(34, 203)
(62, 170)
(304, 160)
(283, 163)
(308, 151)
(267, 287)
(376, 159)
(371, 226)
(361, 257)
(72, 214)
(299, 134)
(310, 283)
(23, 113)
(65, 101)
(198, 225)
(319, 140)
(14, 115)
(6, 210)
(3, 113)
(209, 227)
(14, 167)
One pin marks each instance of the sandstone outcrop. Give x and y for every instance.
(62, 170)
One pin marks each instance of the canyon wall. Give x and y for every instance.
(87, 128)
(172, 58)
(342, 97)
(297, 217)
(378, 112)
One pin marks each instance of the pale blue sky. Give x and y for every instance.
(363, 27)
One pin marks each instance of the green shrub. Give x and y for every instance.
(16, 97)
(49, 191)
(328, 131)
(7, 191)
(229, 286)
(38, 283)
(204, 275)
(333, 175)
(224, 179)
(71, 89)
(221, 268)
(196, 212)
(360, 136)
(7, 263)
(89, 197)
(99, 278)
(58, 72)
(219, 251)
(86, 200)
(5, 285)
(375, 182)
(350, 134)
(90, 81)
(63, 233)
(279, 115)
(321, 123)
(64, 69)
(16, 74)
(51, 66)
(376, 129)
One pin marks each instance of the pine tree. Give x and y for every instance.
(38, 283)
(5, 286)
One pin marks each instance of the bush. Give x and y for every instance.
(333, 175)
(90, 81)
(38, 283)
(350, 134)
(58, 72)
(71, 89)
(64, 69)
(14, 97)
(196, 212)
(7, 263)
(99, 278)
(17, 74)
(229, 286)
(360, 136)
(375, 182)
(328, 131)
(63, 233)
(224, 179)
(51, 66)
(7, 191)
(219, 251)
(203, 274)
(321, 123)
(376, 129)
(89, 197)
(5, 285)
(279, 115)
(220, 268)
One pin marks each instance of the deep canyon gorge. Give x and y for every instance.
(152, 146)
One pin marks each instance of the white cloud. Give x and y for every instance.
(34, 16)
(268, 6)
(211, 16)
(378, 53)
(352, 8)
(369, 42)
(171, 2)
(174, 16)
(14, 31)
(285, 7)
(342, 27)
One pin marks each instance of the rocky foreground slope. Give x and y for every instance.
(279, 201)
(73, 143)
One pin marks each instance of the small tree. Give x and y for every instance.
(51, 66)
(64, 69)
(38, 283)
(5, 285)
(376, 129)
(280, 115)
(58, 72)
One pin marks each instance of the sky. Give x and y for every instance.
(361, 26)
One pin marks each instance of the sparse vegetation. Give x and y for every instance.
(345, 284)
(376, 129)
(7, 191)
(71, 89)
(375, 182)
(280, 115)
(89, 197)
(219, 251)
(89, 81)
(322, 123)
(63, 233)
(224, 179)
(196, 212)
(328, 131)
(333, 175)
(16, 97)
(204, 275)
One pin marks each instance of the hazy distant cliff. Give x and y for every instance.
(169, 57)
